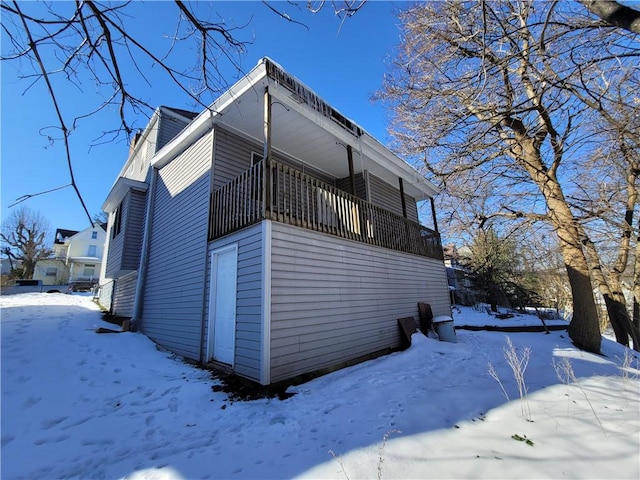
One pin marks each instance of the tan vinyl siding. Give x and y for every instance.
(333, 300)
(124, 295)
(248, 352)
(388, 197)
(173, 296)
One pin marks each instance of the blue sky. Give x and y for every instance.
(343, 64)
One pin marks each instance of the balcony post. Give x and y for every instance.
(352, 175)
(266, 177)
(402, 199)
(433, 213)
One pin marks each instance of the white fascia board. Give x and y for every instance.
(205, 121)
(141, 140)
(119, 190)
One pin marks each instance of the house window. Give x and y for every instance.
(89, 270)
(94, 235)
(51, 272)
(117, 222)
(92, 251)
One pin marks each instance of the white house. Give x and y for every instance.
(77, 257)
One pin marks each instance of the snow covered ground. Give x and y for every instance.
(77, 404)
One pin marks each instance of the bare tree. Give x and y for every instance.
(92, 43)
(614, 13)
(473, 86)
(24, 233)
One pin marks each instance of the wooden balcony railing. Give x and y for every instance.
(296, 198)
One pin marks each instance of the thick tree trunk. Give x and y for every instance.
(636, 287)
(615, 313)
(621, 314)
(611, 291)
(584, 329)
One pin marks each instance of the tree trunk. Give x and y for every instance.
(636, 287)
(611, 291)
(622, 315)
(615, 312)
(584, 329)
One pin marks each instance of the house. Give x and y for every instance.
(458, 276)
(8, 266)
(270, 235)
(77, 257)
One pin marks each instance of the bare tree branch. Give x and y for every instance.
(614, 14)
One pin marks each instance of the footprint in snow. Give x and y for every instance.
(56, 439)
(31, 401)
(6, 439)
(52, 422)
(174, 403)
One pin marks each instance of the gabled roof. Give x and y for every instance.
(63, 234)
(183, 113)
(303, 125)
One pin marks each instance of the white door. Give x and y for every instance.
(222, 307)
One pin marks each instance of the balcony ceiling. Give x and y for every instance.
(302, 131)
(315, 139)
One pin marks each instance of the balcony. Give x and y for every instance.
(287, 195)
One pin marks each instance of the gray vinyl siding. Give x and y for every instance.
(388, 197)
(105, 294)
(124, 249)
(333, 300)
(124, 295)
(233, 156)
(116, 246)
(361, 187)
(249, 334)
(172, 306)
(170, 126)
(133, 229)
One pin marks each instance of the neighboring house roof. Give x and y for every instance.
(241, 107)
(63, 234)
(183, 113)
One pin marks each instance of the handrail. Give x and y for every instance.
(299, 199)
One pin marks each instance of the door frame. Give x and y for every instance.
(211, 321)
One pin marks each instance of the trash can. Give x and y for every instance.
(443, 326)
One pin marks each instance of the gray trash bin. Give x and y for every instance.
(443, 326)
